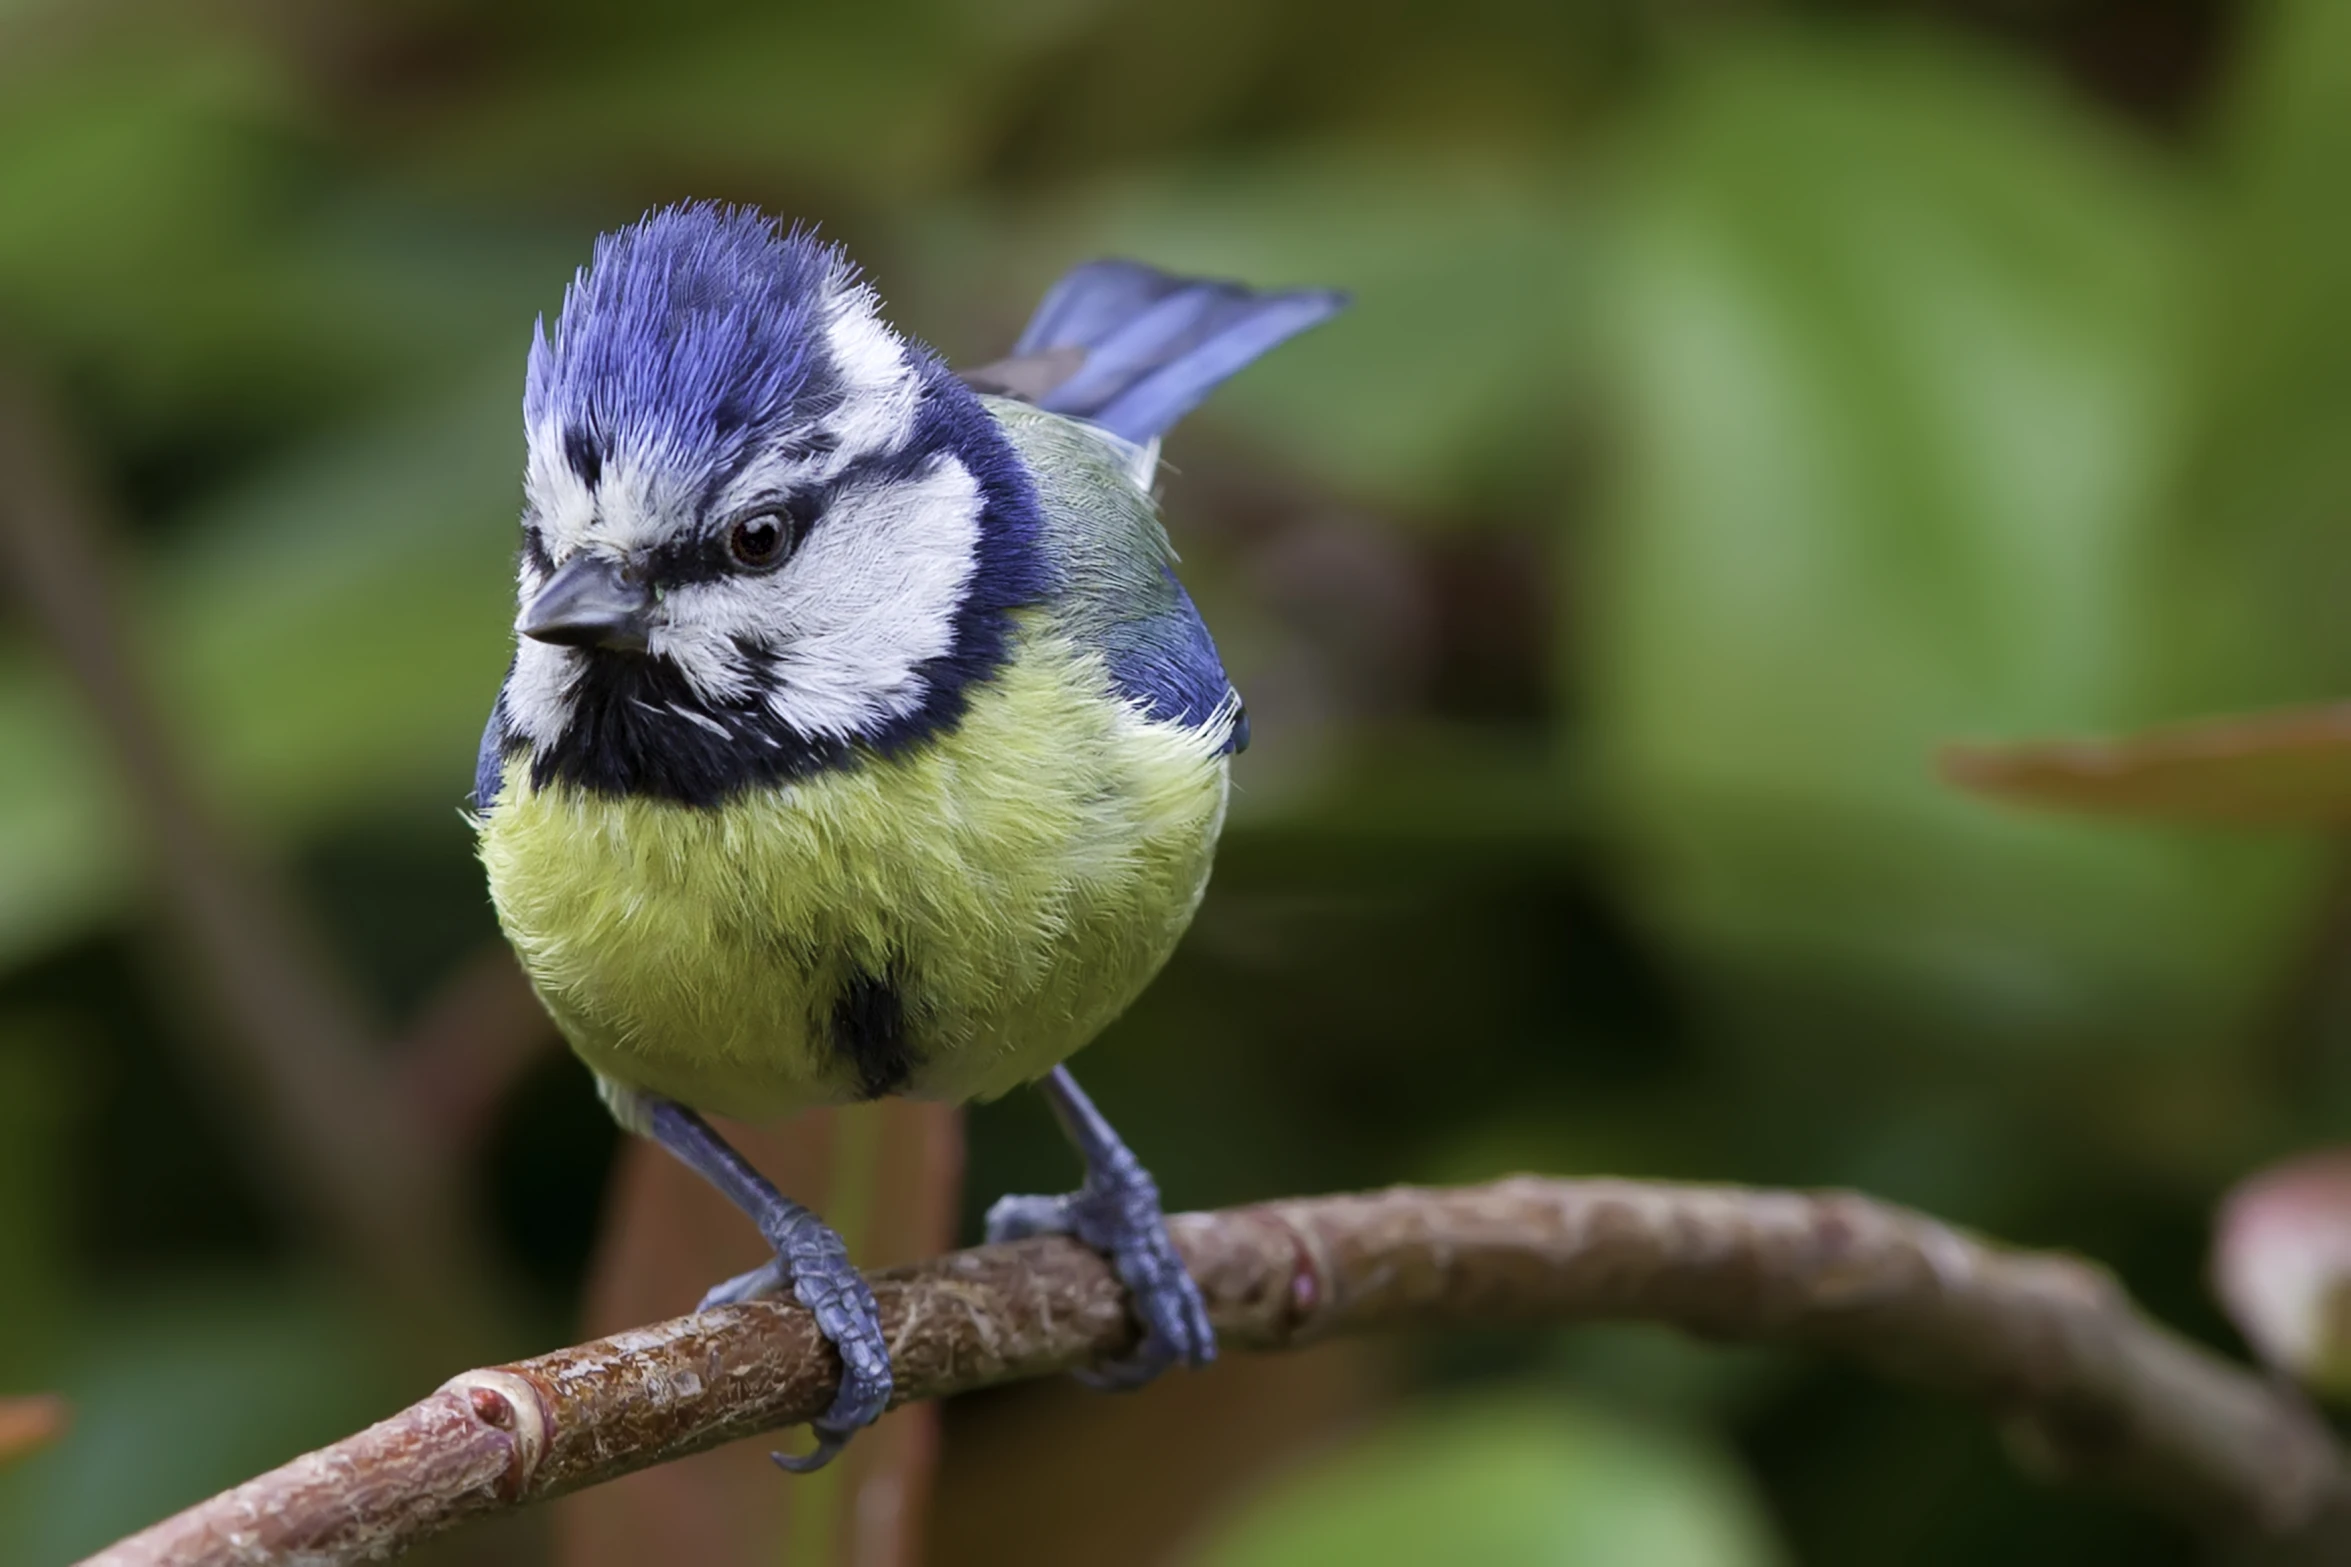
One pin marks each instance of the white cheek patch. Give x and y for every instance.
(847, 625)
(537, 703)
(873, 596)
(849, 622)
(702, 627)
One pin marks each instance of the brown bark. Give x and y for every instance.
(2095, 1390)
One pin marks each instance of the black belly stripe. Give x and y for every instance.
(869, 1031)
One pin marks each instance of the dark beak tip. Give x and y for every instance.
(572, 633)
(588, 603)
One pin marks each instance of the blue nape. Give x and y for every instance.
(1156, 344)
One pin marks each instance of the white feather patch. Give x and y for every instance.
(876, 592)
(1143, 465)
(850, 620)
(879, 389)
(538, 693)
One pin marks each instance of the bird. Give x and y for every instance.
(859, 738)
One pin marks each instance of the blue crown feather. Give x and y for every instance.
(686, 330)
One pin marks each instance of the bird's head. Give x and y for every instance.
(761, 531)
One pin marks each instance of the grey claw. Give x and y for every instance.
(1017, 1218)
(826, 1283)
(768, 1279)
(828, 1447)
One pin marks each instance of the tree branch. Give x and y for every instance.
(2097, 1392)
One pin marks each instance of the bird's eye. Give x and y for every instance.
(760, 541)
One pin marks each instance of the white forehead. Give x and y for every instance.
(650, 486)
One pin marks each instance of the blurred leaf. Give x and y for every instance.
(1503, 1482)
(2255, 609)
(171, 241)
(326, 640)
(185, 1393)
(29, 1424)
(1898, 332)
(42, 1093)
(882, 100)
(2290, 769)
(2281, 1263)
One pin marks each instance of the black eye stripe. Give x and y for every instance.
(707, 555)
(704, 555)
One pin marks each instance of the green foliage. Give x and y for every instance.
(1505, 1482)
(180, 1394)
(2265, 476)
(1900, 349)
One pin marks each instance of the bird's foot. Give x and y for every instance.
(809, 1259)
(813, 1262)
(1117, 1213)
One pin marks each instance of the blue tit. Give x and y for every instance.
(859, 738)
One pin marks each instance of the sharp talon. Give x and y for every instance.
(1129, 1372)
(828, 1447)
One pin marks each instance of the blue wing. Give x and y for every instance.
(489, 763)
(1131, 349)
(1164, 661)
(1155, 345)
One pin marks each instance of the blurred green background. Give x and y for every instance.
(1741, 400)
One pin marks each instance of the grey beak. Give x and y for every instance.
(589, 603)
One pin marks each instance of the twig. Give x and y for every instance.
(2050, 1343)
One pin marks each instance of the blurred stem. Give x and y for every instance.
(477, 1035)
(814, 1538)
(306, 1083)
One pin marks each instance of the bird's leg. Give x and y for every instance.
(809, 1257)
(1116, 1212)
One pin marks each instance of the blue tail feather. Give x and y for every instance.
(1155, 344)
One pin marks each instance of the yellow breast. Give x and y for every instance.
(1020, 879)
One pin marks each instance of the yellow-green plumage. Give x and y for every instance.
(1020, 877)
